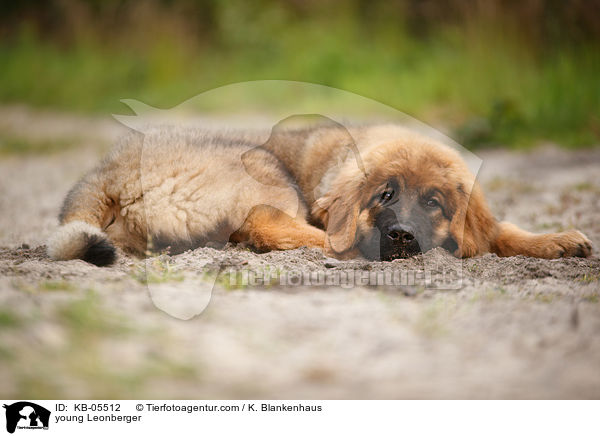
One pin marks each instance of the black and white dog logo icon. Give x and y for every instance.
(26, 415)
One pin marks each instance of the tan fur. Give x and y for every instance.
(512, 240)
(270, 229)
(191, 187)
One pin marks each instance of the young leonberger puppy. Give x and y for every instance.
(381, 191)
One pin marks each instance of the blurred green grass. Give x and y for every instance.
(487, 83)
(78, 340)
(18, 145)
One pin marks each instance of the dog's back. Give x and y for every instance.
(169, 187)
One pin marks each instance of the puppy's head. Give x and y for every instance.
(416, 195)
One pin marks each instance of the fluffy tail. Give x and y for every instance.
(80, 240)
(85, 212)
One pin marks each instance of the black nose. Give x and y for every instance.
(399, 243)
(400, 236)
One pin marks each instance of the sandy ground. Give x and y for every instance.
(515, 328)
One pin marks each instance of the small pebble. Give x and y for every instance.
(409, 291)
(331, 262)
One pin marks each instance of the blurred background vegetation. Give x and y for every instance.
(493, 72)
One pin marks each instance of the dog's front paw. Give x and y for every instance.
(571, 243)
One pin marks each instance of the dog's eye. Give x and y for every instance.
(432, 203)
(386, 196)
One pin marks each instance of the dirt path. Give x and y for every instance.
(518, 327)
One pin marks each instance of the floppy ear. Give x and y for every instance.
(339, 215)
(472, 226)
